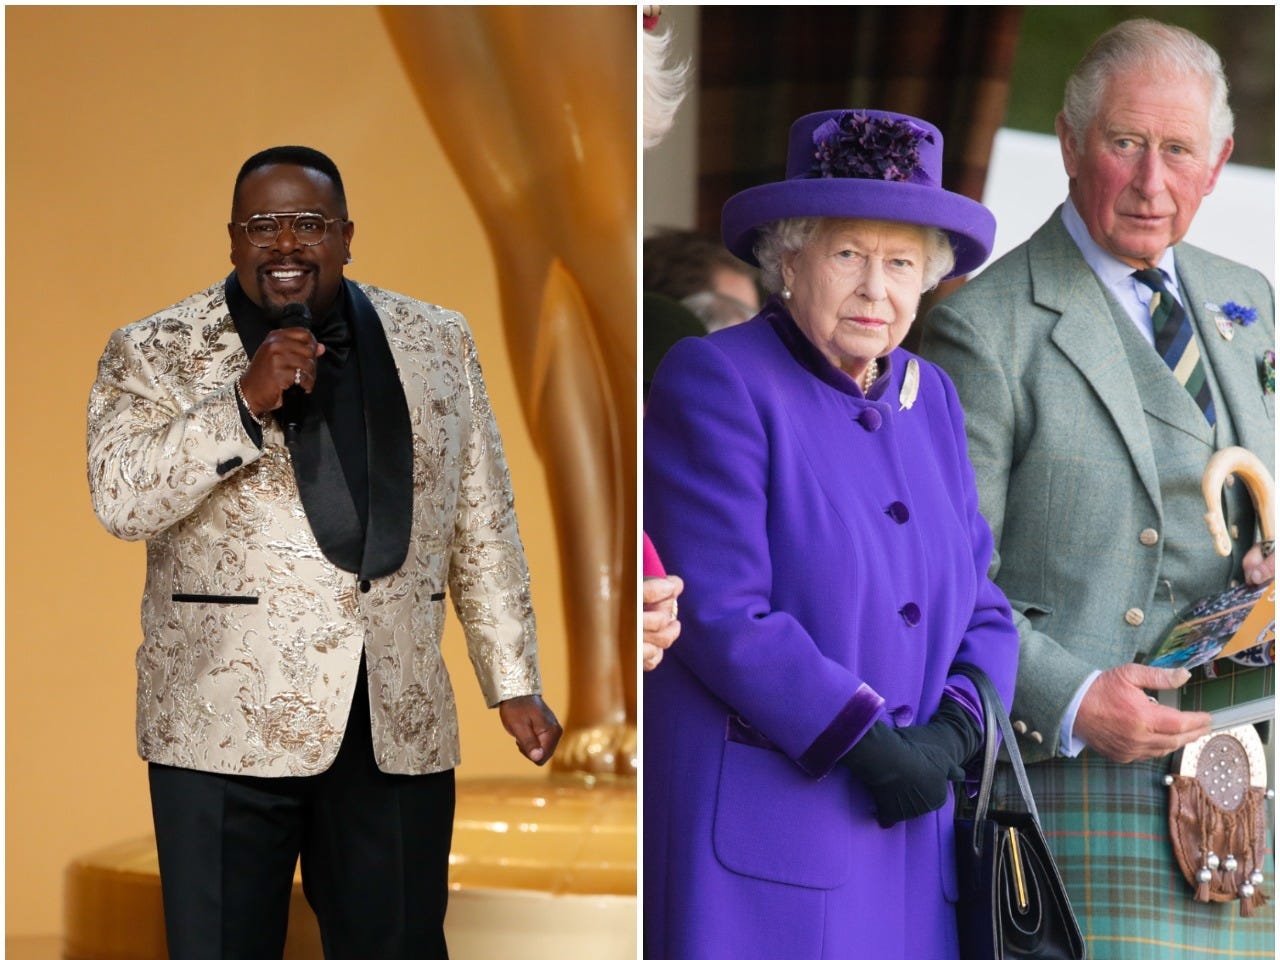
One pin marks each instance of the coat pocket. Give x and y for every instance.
(212, 598)
(774, 822)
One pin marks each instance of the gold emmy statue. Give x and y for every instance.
(535, 107)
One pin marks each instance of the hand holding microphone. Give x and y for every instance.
(283, 370)
(293, 405)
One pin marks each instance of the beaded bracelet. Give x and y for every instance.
(248, 409)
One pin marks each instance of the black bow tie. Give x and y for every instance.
(334, 332)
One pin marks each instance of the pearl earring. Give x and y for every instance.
(786, 293)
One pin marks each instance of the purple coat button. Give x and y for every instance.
(910, 614)
(870, 419)
(898, 511)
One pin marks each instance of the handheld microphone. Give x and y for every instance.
(294, 405)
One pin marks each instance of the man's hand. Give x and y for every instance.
(287, 353)
(1118, 720)
(660, 624)
(1257, 568)
(535, 727)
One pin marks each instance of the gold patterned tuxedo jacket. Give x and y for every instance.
(251, 637)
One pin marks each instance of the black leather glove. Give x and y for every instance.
(953, 730)
(908, 769)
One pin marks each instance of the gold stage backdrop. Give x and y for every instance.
(125, 128)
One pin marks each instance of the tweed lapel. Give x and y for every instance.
(390, 441)
(1233, 363)
(1086, 334)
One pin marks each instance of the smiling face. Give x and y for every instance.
(1144, 164)
(288, 272)
(855, 287)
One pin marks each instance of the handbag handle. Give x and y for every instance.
(994, 718)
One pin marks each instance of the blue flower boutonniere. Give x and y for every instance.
(1226, 317)
(1245, 316)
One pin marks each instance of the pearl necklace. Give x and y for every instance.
(869, 375)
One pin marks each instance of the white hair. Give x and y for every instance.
(1154, 48)
(663, 86)
(781, 238)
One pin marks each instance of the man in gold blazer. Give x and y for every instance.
(1089, 451)
(314, 465)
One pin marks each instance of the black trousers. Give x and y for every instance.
(374, 849)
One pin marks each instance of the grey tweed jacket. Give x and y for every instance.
(1092, 550)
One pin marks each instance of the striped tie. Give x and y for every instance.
(1176, 342)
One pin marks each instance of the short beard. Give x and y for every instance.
(275, 311)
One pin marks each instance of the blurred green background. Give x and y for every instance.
(1052, 40)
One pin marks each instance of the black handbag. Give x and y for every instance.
(1012, 901)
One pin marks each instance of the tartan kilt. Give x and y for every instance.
(1108, 827)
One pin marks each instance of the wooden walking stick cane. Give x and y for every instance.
(1261, 486)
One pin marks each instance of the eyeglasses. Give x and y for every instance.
(263, 229)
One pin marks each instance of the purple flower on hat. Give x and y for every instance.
(867, 148)
(1245, 316)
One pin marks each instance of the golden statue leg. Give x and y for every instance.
(535, 107)
(580, 443)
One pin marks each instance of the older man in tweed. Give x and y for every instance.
(1089, 447)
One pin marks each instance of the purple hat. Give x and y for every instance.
(868, 164)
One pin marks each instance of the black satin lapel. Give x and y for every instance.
(245, 315)
(326, 499)
(390, 441)
(322, 487)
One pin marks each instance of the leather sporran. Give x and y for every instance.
(1217, 817)
(1012, 900)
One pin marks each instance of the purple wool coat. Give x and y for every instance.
(836, 567)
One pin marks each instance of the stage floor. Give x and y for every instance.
(542, 869)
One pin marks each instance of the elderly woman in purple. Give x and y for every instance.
(809, 479)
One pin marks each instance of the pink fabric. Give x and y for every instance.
(652, 565)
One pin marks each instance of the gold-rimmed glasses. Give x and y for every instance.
(263, 229)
